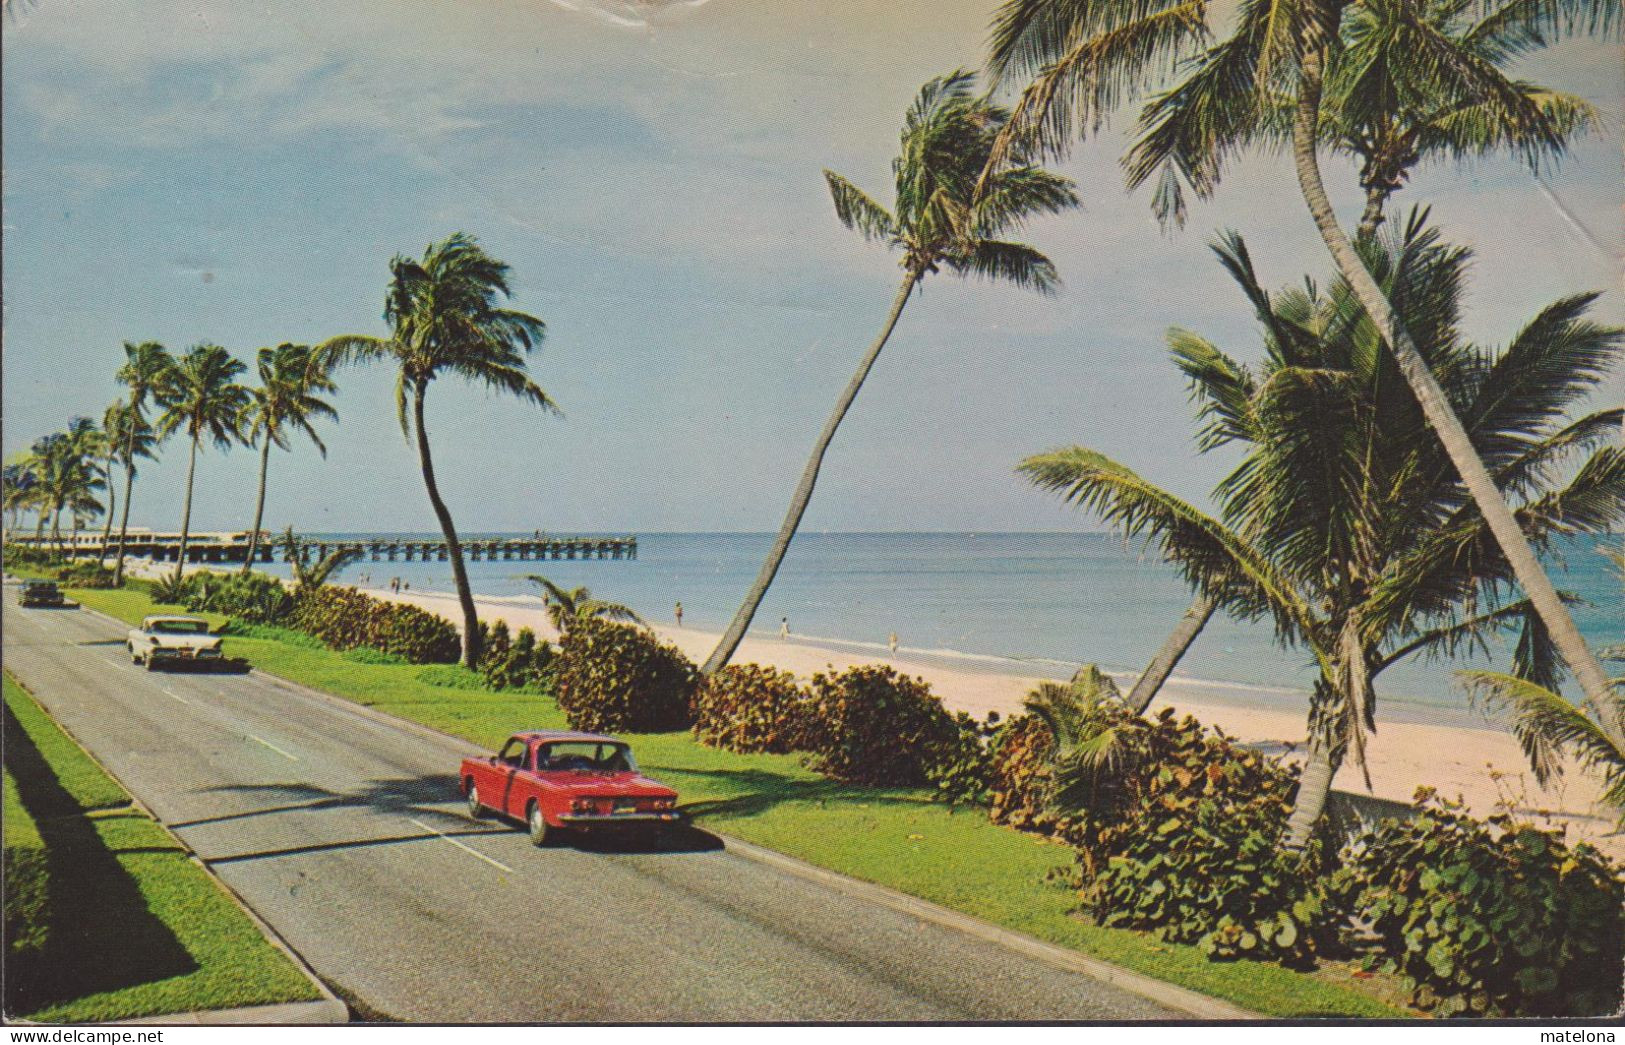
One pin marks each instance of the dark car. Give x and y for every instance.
(42, 593)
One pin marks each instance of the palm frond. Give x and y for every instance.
(1545, 724)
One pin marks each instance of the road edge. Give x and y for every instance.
(1199, 1006)
(328, 1009)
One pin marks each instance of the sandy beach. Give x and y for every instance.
(1459, 762)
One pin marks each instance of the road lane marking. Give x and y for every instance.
(176, 696)
(470, 851)
(273, 747)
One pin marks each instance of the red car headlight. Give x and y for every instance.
(581, 805)
(664, 803)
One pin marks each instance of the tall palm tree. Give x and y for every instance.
(936, 222)
(445, 319)
(72, 477)
(201, 397)
(127, 438)
(565, 607)
(147, 366)
(1088, 56)
(1343, 524)
(286, 398)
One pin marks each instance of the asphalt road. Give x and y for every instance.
(346, 835)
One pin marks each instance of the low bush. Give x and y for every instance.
(343, 619)
(619, 678)
(749, 708)
(870, 725)
(962, 769)
(1489, 918)
(271, 632)
(1019, 774)
(22, 555)
(254, 598)
(86, 575)
(1192, 851)
(522, 663)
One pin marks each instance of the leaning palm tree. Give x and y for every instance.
(287, 398)
(1343, 524)
(935, 222)
(445, 319)
(73, 475)
(146, 367)
(1088, 56)
(567, 607)
(126, 436)
(1550, 727)
(202, 398)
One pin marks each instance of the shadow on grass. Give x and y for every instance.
(757, 791)
(100, 935)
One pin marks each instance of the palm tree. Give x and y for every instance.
(146, 367)
(290, 378)
(201, 397)
(72, 475)
(307, 575)
(1343, 524)
(127, 437)
(1089, 56)
(1549, 727)
(445, 320)
(565, 607)
(936, 222)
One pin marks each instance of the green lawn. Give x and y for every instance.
(130, 925)
(899, 839)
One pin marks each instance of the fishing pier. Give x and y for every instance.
(233, 547)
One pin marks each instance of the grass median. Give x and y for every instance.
(106, 916)
(896, 838)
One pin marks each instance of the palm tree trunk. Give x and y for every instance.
(112, 503)
(459, 573)
(1443, 420)
(1314, 787)
(56, 531)
(124, 516)
(259, 505)
(186, 513)
(804, 490)
(1173, 649)
(1376, 197)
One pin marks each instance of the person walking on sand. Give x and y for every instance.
(679, 615)
(784, 627)
(892, 642)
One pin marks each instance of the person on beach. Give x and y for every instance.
(784, 627)
(892, 642)
(679, 615)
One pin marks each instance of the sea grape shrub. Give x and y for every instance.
(86, 575)
(870, 725)
(1191, 848)
(613, 677)
(749, 708)
(1019, 774)
(344, 619)
(252, 598)
(962, 769)
(521, 663)
(1489, 917)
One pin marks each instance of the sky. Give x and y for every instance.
(241, 174)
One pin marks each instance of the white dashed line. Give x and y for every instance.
(273, 747)
(471, 852)
(176, 696)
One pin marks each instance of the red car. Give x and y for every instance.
(555, 780)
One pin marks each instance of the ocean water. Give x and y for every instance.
(1037, 603)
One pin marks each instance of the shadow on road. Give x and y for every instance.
(425, 798)
(224, 666)
(100, 935)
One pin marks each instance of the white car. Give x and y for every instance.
(173, 640)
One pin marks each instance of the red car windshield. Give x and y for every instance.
(585, 756)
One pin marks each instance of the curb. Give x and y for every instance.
(1198, 1006)
(1195, 1004)
(324, 1010)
